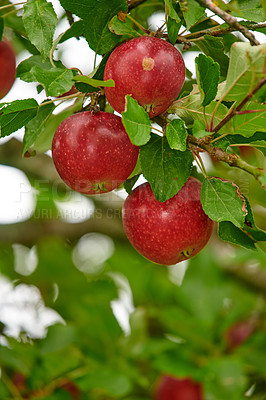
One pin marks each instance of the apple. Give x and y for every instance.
(172, 388)
(239, 333)
(169, 232)
(148, 68)
(93, 153)
(8, 67)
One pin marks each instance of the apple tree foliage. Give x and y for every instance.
(217, 123)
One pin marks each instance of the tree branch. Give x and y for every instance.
(217, 31)
(235, 111)
(231, 159)
(229, 20)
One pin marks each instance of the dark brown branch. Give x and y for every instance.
(229, 20)
(234, 111)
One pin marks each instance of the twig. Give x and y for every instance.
(236, 110)
(229, 20)
(217, 30)
(231, 159)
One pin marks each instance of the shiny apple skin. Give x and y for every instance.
(8, 68)
(171, 388)
(150, 69)
(93, 153)
(169, 232)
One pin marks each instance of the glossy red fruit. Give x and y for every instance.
(171, 388)
(150, 69)
(7, 69)
(93, 153)
(239, 333)
(169, 232)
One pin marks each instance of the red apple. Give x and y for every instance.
(93, 153)
(150, 69)
(239, 333)
(8, 68)
(171, 388)
(169, 232)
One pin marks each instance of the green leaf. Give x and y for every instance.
(248, 123)
(224, 379)
(167, 170)
(1, 28)
(122, 28)
(214, 48)
(136, 122)
(44, 140)
(129, 183)
(250, 226)
(16, 115)
(245, 70)
(259, 145)
(190, 107)
(222, 201)
(193, 14)
(231, 233)
(40, 21)
(107, 381)
(34, 128)
(173, 29)
(199, 129)
(176, 134)
(208, 74)
(248, 9)
(76, 30)
(94, 82)
(56, 81)
(173, 21)
(97, 15)
(24, 69)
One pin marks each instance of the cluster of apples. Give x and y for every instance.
(93, 153)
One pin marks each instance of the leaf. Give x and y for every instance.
(193, 14)
(136, 122)
(199, 129)
(250, 226)
(245, 70)
(56, 81)
(24, 69)
(231, 233)
(16, 115)
(129, 183)
(248, 9)
(260, 145)
(122, 28)
(173, 21)
(1, 28)
(167, 170)
(176, 134)
(36, 125)
(40, 21)
(222, 201)
(248, 123)
(98, 74)
(208, 74)
(96, 16)
(76, 30)
(94, 82)
(214, 48)
(190, 107)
